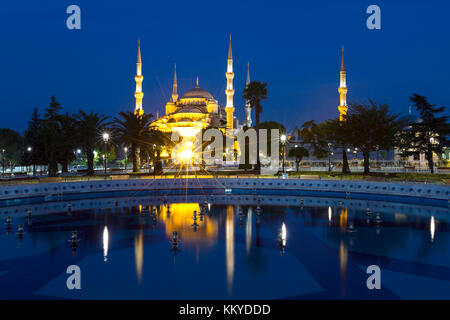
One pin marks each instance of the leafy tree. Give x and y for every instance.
(67, 141)
(368, 127)
(11, 148)
(89, 128)
(133, 130)
(156, 142)
(429, 135)
(254, 93)
(316, 136)
(298, 153)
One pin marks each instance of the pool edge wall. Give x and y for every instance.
(423, 194)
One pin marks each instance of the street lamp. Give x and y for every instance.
(329, 156)
(3, 160)
(105, 139)
(155, 160)
(283, 142)
(29, 149)
(126, 157)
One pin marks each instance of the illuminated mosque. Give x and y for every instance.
(197, 109)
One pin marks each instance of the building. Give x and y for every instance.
(197, 109)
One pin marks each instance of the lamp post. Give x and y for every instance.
(126, 158)
(3, 161)
(29, 149)
(155, 160)
(105, 139)
(283, 142)
(329, 156)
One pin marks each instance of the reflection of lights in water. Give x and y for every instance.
(248, 230)
(329, 214)
(343, 218)
(283, 234)
(105, 243)
(432, 228)
(139, 254)
(400, 217)
(229, 240)
(343, 257)
(209, 206)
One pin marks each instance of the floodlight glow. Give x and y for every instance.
(185, 155)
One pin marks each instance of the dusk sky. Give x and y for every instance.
(294, 46)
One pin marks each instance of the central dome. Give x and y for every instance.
(198, 93)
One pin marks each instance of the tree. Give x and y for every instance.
(254, 93)
(159, 140)
(67, 141)
(428, 135)
(32, 139)
(315, 135)
(298, 153)
(368, 127)
(50, 135)
(11, 148)
(89, 128)
(133, 130)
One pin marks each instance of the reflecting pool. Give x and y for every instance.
(229, 247)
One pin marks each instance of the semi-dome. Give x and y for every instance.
(198, 93)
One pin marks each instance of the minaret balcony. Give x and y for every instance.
(229, 75)
(138, 95)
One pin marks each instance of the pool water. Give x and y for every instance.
(306, 251)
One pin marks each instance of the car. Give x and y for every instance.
(77, 167)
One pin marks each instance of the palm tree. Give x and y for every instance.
(89, 128)
(254, 93)
(67, 141)
(133, 130)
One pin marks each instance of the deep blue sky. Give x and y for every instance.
(294, 46)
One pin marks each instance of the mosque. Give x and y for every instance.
(197, 109)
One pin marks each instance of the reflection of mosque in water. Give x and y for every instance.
(198, 229)
(179, 217)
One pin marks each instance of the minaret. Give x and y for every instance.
(175, 86)
(139, 78)
(342, 90)
(248, 109)
(229, 109)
